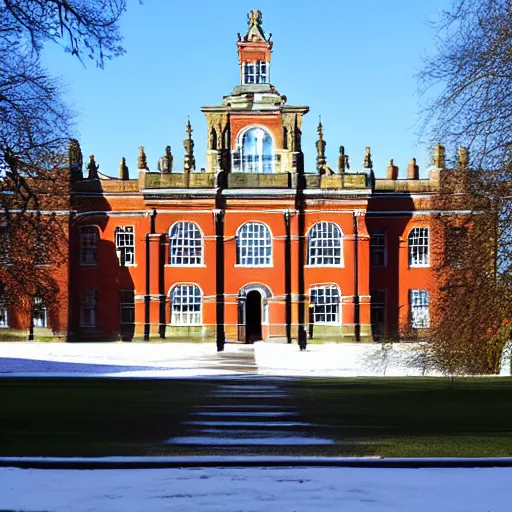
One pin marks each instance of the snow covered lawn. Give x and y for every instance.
(257, 489)
(202, 359)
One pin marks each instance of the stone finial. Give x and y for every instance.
(165, 162)
(391, 171)
(92, 167)
(255, 31)
(439, 158)
(367, 161)
(254, 18)
(413, 170)
(75, 157)
(123, 170)
(188, 143)
(142, 161)
(463, 158)
(320, 149)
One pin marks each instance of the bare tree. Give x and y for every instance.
(35, 128)
(469, 86)
(472, 69)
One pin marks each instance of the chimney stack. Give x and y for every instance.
(413, 170)
(392, 171)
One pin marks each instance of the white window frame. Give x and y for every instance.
(41, 306)
(237, 157)
(180, 315)
(186, 244)
(418, 242)
(4, 317)
(243, 241)
(419, 307)
(323, 244)
(123, 236)
(257, 75)
(327, 304)
(87, 247)
(88, 302)
(378, 248)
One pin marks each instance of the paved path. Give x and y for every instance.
(246, 415)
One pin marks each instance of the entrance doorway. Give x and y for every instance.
(253, 316)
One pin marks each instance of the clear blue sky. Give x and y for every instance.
(353, 63)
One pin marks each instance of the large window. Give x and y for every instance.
(325, 245)
(255, 152)
(40, 313)
(89, 245)
(419, 247)
(253, 245)
(88, 301)
(255, 72)
(419, 304)
(326, 304)
(125, 245)
(378, 248)
(185, 244)
(186, 305)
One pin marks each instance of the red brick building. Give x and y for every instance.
(252, 247)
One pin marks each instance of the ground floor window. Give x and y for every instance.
(40, 314)
(127, 306)
(378, 312)
(88, 308)
(186, 305)
(419, 303)
(3, 317)
(326, 304)
(3, 310)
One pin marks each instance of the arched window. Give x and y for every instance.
(185, 244)
(325, 244)
(255, 152)
(419, 247)
(186, 305)
(326, 304)
(253, 245)
(89, 245)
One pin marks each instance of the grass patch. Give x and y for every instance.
(412, 417)
(406, 417)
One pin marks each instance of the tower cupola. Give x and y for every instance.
(254, 51)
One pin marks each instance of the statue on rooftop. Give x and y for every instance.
(165, 162)
(367, 162)
(92, 167)
(342, 160)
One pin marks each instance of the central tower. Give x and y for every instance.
(254, 130)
